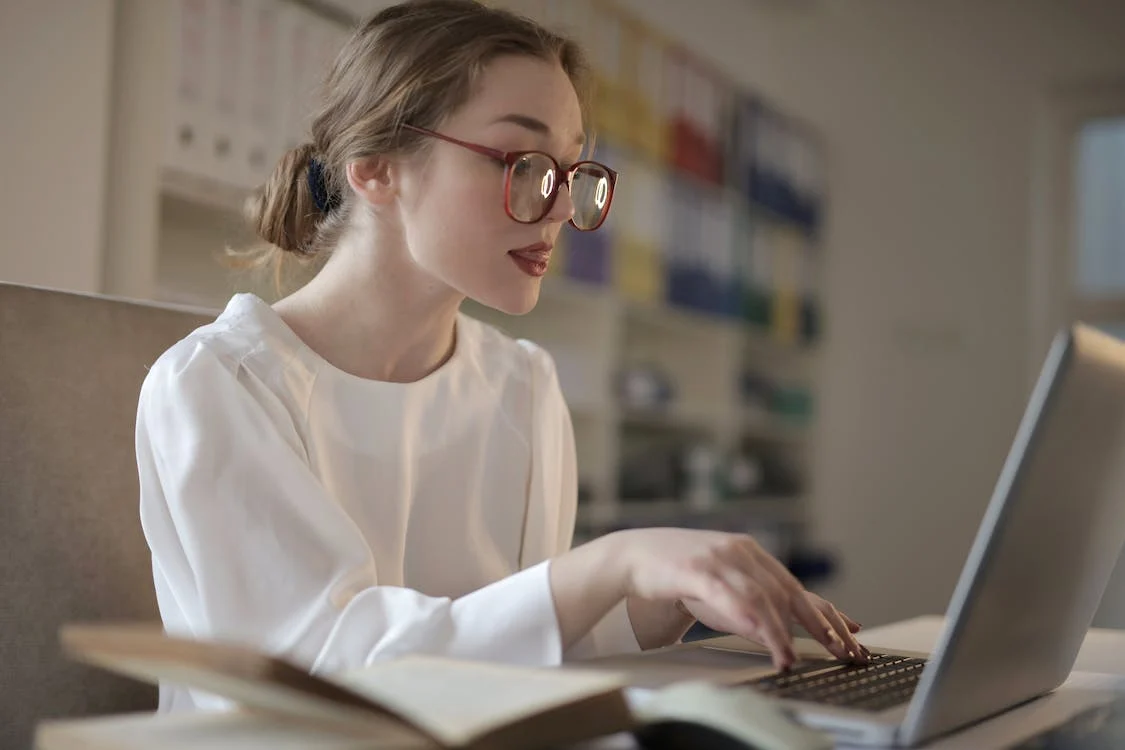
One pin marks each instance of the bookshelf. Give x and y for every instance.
(684, 348)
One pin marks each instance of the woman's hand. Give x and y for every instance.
(732, 585)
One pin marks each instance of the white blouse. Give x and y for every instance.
(337, 520)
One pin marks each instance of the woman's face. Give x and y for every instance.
(452, 206)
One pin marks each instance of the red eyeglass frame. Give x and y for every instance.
(509, 159)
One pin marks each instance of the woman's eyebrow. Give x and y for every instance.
(534, 124)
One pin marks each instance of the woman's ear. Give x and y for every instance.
(372, 179)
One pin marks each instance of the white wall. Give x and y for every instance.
(928, 111)
(56, 58)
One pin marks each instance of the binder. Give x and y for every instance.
(809, 181)
(589, 255)
(262, 93)
(638, 261)
(696, 119)
(648, 117)
(749, 296)
(227, 103)
(759, 290)
(684, 261)
(721, 282)
(740, 146)
(296, 88)
(766, 183)
(187, 135)
(607, 30)
(786, 323)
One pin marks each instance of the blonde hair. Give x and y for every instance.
(415, 62)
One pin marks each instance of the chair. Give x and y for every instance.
(71, 546)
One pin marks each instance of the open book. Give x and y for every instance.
(411, 702)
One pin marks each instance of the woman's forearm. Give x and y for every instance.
(586, 583)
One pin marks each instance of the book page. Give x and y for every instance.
(458, 702)
(234, 730)
(252, 679)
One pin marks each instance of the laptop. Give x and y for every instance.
(1031, 585)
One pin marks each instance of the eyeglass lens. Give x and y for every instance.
(532, 182)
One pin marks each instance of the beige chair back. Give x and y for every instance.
(71, 546)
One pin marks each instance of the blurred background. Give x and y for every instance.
(844, 234)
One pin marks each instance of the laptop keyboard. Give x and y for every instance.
(886, 681)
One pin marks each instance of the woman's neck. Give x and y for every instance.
(375, 315)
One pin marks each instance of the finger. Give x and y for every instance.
(798, 606)
(735, 603)
(765, 597)
(773, 629)
(861, 654)
(853, 626)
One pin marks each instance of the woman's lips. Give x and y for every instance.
(533, 259)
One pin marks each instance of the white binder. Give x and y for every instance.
(188, 132)
(297, 48)
(262, 94)
(226, 102)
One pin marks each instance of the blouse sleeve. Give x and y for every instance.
(556, 477)
(248, 545)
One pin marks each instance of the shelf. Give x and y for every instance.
(205, 192)
(765, 510)
(772, 428)
(723, 190)
(170, 249)
(569, 290)
(669, 417)
(590, 410)
(230, 201)
(675, 318)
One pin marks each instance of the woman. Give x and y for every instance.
(359, 471)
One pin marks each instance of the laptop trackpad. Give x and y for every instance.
(659, 668)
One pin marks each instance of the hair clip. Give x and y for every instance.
(318, 186)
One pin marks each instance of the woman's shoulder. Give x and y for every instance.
(241, 339)
(504, 357)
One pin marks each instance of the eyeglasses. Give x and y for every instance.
(532, 180)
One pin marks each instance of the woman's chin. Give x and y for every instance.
(513, 300)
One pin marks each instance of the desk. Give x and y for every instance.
(1098, 677)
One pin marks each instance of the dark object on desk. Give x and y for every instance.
(1100, 728)
(675, 735)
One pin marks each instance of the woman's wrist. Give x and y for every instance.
(658, 623)
(617, 561)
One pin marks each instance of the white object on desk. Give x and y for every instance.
(714, 715)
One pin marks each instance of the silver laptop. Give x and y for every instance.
(1034, 578)
(1032, 583)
